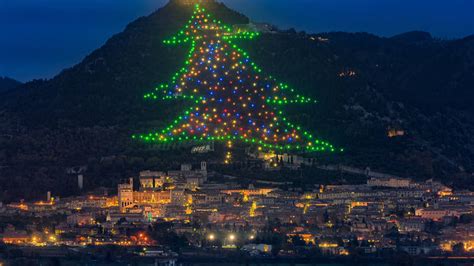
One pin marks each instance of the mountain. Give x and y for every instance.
(7, 83)
(400, 105)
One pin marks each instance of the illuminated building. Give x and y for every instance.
(250, 191)
(392, 133)
(158, 188)
(152, 180)
(12, 236)
(389, 182)
(261, 248)
(129, 198)
(125, 195)
(436, 214)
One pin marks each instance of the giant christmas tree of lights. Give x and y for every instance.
(230, 98)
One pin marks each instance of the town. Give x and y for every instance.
(158, 214)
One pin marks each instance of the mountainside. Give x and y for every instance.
(416, 89)
(7, 83)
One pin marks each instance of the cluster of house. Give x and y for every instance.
(384, 213)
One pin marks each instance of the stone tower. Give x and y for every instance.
(125, 195)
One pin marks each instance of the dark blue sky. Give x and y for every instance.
(38, 38)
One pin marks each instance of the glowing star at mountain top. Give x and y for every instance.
(230, 99)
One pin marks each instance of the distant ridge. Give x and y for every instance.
(192, 2)
(7, 83)
(413, 36)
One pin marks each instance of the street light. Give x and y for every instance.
(231, 237)
(211, 237)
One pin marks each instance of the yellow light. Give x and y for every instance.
(211, 237)
(252, 209)
(231, 237)
(328, 245)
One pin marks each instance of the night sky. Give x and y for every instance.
(38, 38)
